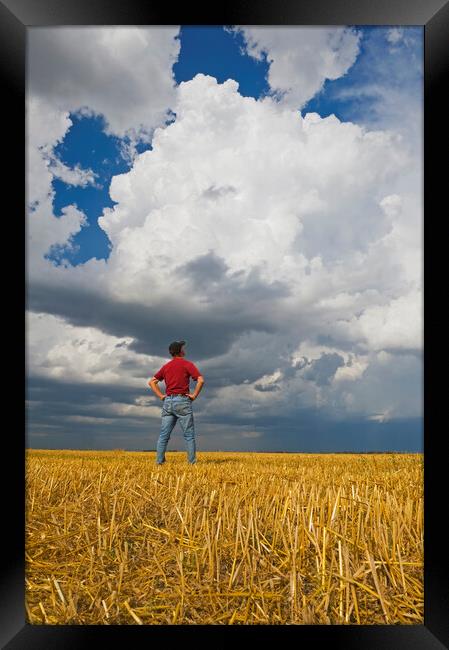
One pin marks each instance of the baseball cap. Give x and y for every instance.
(175, 347)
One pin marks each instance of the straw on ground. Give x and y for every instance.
(239, 538)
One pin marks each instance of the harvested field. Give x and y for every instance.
(239, 538)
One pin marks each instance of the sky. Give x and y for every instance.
(256, 191)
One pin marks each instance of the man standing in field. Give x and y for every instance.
(177, 400)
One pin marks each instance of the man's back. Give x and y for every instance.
(176, 375)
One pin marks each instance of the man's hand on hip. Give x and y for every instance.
(192, 396)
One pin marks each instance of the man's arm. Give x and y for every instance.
(153, 384)
(198, 388)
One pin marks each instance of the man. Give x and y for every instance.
(177, 400)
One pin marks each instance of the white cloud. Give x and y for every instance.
(391, 205)
(273, 229)
(302, 58)
(134, 410)
(388, 92)
(299, 187)
(394, 35)
(75, 176)
(390, 388)
(384, 357)
(352, 372)
(381, 417)
(121, 72)
(46, 125)
(58, 350)
(393, 326)
(46, 232)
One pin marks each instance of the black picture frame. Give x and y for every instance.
(18, 15)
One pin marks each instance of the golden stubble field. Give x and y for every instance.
(239, 538)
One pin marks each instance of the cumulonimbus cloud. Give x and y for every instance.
(256, 234)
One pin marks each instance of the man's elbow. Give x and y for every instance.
(200, 380)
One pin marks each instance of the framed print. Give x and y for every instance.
(230, 421)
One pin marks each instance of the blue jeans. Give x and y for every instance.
(176, 407)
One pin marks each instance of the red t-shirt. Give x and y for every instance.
(176, 374)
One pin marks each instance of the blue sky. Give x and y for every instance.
(371, 77)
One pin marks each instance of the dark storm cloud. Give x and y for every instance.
(68, 415)
(252, 356)
(152, 327)
(354, 435)
(290, 369)
(323, 369)
(311, 430)
(204, 269)
(54, 407)
(71, 435)
(231, 306)
(405, 352)
(208, 273)
(64, 393)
